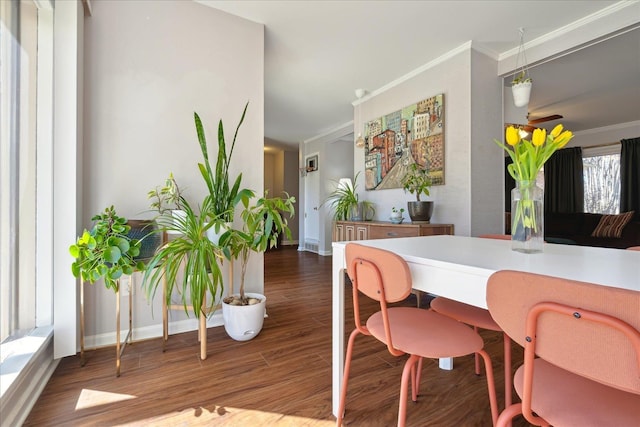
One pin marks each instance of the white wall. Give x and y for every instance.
(472, 96)
(149, 65)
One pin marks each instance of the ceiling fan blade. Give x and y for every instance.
(545, 119)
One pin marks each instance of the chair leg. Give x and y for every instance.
(345, 378)
(476, 356)
(404, 385)
(507, 415)
(417, 381)
(491, 386)
(508, 375)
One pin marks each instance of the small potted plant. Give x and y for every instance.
(344, 201)
(521, 89)
(166, 200)
(396, 215)
(262, 223)
(417, 182)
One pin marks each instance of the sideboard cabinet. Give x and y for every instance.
(369, 230)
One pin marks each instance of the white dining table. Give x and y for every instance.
(458, 268)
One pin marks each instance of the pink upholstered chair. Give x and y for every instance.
(634, 248)
(582, 349)
(479, 318)
(385, 277)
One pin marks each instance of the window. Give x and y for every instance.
(18, 94)
(601, 171)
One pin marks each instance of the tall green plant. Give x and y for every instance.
(262, 223)
(224, 197)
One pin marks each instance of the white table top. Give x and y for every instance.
(610, 267)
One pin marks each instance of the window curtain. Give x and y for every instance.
(564, 182)
(509, 184)
(630, 176)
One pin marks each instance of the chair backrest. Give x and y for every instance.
(633, 248)
(372, 270)
(580, 327)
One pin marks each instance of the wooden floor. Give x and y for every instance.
(280, 378)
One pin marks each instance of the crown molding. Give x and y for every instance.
(610, 128)
(332, 134)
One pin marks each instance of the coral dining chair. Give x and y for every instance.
(582, 349)
(479, 318)
(385, 277)
(633, 248)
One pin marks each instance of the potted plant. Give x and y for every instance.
(262, 223)
(417, 182)
(224, 196)
(194, 252)
(166, 200)
(106, 252)
(521, 89)
(344, 200)
(396, 215)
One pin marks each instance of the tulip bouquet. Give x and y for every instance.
(528, 158)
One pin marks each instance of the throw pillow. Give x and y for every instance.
(612, 225)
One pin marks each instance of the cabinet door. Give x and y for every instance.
(362, 232)
(338, 232)
(349, 232)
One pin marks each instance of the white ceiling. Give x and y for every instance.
(318, 52)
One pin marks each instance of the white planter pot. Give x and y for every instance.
(244, 322)
(177, 215)
(521, 93)
(214, 235)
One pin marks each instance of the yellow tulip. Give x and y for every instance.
(556, 131)
(512, 135)
(539, 136)
(564, 138)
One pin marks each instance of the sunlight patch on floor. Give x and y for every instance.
(90, 398)
(230, 417)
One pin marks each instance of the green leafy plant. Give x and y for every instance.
(417, 181)
(262, 223)
(343, 199)
(395, 210)
(521, 77)
(106, 252)
(167, 197)
(223, 195)
(194, 252)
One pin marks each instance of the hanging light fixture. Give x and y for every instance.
(521, 83)
(359, 140)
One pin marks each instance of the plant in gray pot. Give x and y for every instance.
(417, 182)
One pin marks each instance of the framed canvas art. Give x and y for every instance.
(414, 134)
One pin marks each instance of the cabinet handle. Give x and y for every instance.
(391, 234)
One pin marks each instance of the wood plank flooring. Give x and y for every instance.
(280, 378)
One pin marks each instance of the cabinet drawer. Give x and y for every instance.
(389, 232)
(436, 230)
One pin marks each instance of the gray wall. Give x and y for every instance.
(148, 66)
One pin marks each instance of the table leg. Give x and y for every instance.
(337, 329)
(117, 328)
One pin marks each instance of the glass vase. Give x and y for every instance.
(527, 217)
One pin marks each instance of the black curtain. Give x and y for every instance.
(564, 182)
(509, 184)
(630, 176)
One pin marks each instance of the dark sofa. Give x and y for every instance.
(576, 228)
